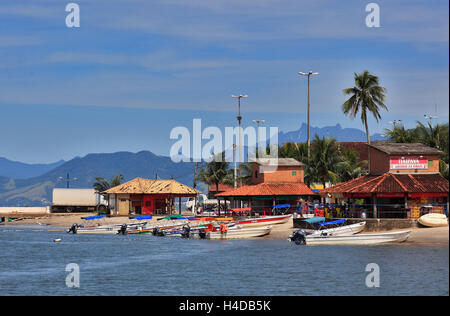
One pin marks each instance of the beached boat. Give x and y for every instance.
(106, 229)
(238, 233)
(339, 230)
(264, 221)
(433, 220)
(300, 237)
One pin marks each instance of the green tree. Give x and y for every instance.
(399, 134)
(102, 184)
(350, 167)
(324, 158)
(367, 96)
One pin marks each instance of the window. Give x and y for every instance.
(294, 173)
(148, 203)
(256, 174)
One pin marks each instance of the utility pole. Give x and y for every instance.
(68, 179)
(257, 133)
(430, 117)
(239, 118)
(309, 74)
(195, 174)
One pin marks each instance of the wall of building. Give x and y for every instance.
(380, 163)
(291, 174)
(123, 204)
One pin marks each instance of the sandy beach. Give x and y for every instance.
(419, 236)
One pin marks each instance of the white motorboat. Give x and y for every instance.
(264, 221)
(239, 233)
(300, 237)
(340, 230)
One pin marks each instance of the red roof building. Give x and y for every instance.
(274, 181)
(404, 181)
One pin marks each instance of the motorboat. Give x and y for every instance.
(337, 230)
(301, 238)
(264, 220)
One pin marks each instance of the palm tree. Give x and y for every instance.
(431, 136)
(215, 171)
(398, 134)
(350, 167)
(436, 137)
(102, 184)
(366, 96)
(325, 157)
(298, 151)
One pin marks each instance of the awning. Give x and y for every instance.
(314, 220)
(339, 221)
(89, 218)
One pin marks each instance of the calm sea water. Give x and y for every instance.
(32, 264)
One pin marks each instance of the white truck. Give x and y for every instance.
(203, 202)
(77, 200)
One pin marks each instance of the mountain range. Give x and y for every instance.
(339, 133)
(31, 184)
(37, 190)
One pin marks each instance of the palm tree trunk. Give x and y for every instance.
(368, 142)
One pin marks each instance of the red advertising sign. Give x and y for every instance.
(409, 163)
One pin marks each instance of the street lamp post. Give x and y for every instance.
(257, 133)
(239, 118)
(430, 117)
(395, 122)
(309, 74)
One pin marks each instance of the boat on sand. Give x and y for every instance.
(433, 220)
(264, 221)
(238, 233)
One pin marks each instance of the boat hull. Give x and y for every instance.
(264, 221)
(361, 239)
(433, 220)
(241, 233)
(341, 231)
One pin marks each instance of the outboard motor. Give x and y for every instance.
(299, 237)
(202, 233)
(158, 232)
(185, 232)
(123, 229)
(73, 229)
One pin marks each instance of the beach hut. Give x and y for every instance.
(148, 197)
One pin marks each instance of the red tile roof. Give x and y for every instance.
(269, 189)
(393, 183)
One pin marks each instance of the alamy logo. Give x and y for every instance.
(215, 145)
(373, 278)
(73, 278)
(73, 18)
(373, 18)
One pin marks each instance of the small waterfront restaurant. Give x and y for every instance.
(273, 181)
(147, 197)
(403, 182)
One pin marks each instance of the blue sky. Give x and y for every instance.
(137, 68)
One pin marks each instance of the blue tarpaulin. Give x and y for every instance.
(339, 221)
(89, 218)
(314, 220)
(282, 205)
(140, 218)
